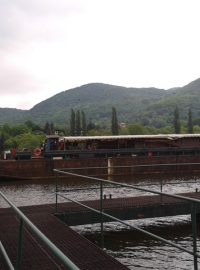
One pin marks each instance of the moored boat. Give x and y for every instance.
(107, 152)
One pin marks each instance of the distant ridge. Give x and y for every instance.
(148, 106)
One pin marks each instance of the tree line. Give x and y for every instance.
(79, 127)
(30, 135)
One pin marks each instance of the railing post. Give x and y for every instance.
(194, 234)
(101, 210)
(56, 190)
(20, 240)
(161, 190)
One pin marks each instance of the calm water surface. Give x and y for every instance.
(128, 246)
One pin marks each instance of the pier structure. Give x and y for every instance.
(74, 248)
(34, 238)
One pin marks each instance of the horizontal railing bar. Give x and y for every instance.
(133, 227)
(56, 251)
(5, 255)
(131, 186)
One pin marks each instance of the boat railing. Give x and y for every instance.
(156, 151)
(23, 220)
(192, 201)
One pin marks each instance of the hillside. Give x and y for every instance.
(16, 116)
(184, 97)
(96, 100)
(150, 106)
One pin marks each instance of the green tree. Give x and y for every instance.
(47, 128)
(190, 123)
(196, 129)
(136, 129)
(177, 123)
(91, 126)
(19, 129)
(83, 124)
(27, 140)
(2, 142)
(114, 123)
(12, 131)
(52, 128)
(32, 126)
(72, 123)
(78, 123)
(11, 143)
(7, 129)
(165, 130)
(196, 121)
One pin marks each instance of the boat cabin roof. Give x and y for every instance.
(122, 137)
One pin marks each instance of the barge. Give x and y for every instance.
(101, 155)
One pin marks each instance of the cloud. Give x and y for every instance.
(13, 80)
(22, 21)
(29, 34)
(52, 45)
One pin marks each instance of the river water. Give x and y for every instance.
(130, 247)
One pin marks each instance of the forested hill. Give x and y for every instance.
(148, 106)
(97, 100)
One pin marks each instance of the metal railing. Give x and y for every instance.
(6, 257)
(193, 202)
(24, 220)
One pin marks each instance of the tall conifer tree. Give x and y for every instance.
(47, 128)
(78, 124)
(52, 128)
(72, 123)
(83, 124)
(114, 124)
(190, 122)
(2, 141)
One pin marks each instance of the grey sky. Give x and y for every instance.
(48, 46)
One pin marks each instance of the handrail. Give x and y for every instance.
(5, 255)
(193, 202)
(56, 251)
(129, 186)
(131, 226)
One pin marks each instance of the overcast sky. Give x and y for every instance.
(48, 46)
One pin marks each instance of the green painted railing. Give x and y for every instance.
(193, 202)
(24, 220)
(6, 257)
